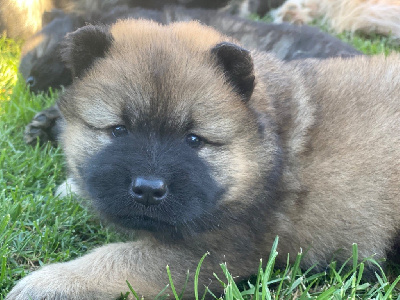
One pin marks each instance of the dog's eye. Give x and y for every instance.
(119, 130)
(194, 141)
(31, 81)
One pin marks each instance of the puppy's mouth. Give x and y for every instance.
(143, 222)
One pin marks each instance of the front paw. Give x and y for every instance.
(57, 282)
(47, 283)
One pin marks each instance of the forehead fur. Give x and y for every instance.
(137, 33)
(162, 73)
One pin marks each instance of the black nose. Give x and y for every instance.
(31, 81)
(149, 191)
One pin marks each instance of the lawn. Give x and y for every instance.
(37, 228)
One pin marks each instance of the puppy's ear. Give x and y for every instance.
(81, 48)
(238, 68)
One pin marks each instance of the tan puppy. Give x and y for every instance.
(368, 16)
(200, 145)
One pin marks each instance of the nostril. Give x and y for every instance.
(159, 193)
(137, 190)
(149, 191)
(31, 81)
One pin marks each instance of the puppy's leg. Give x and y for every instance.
(103, 273)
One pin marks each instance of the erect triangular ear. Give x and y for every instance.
(82, 47)
(238, 67)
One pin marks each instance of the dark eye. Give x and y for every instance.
(31, 81)
(194, 141)
(119, 130)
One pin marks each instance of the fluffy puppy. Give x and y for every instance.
(372, 16)
(201, 146)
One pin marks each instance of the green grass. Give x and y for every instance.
(37, 228)
(338, 282)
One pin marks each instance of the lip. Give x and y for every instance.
(143, 222)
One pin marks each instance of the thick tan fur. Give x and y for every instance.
(335, 122)
(13, 11)
(372, 16)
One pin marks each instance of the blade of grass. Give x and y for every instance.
(184, 285)
(233, 287)
(196, 276)
(268, 269)
(162, 291)
(257, 286)
(132, 290)
(171, 282)
(388, 293)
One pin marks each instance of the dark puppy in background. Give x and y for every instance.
(202, 146)
(41, 70)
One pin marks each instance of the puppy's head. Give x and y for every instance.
(159, 132)
(41, 64)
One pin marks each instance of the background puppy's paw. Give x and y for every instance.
(43, 126)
